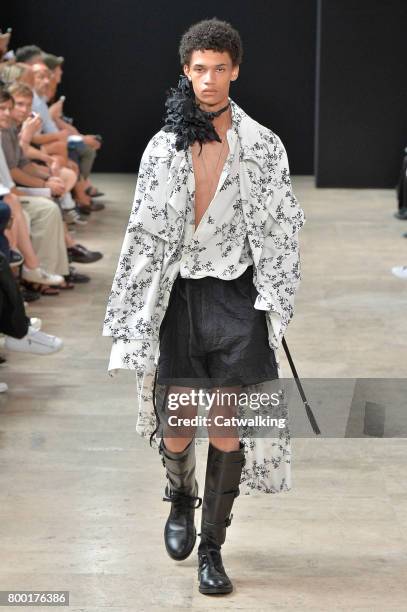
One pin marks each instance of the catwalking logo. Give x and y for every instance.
(222, 421)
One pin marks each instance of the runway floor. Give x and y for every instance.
(81, 492)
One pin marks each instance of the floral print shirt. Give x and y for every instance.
(219, 246)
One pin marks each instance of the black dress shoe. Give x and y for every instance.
(95, 206)
(29, 296)
(76, 277)
(81, 254)
(94, 194)
(83, 209)
(15, 259)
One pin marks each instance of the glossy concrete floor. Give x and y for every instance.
(81, 505)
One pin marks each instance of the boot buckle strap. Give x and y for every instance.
(221, 524)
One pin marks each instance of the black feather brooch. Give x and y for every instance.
(186, 119)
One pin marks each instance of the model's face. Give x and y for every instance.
(211, 73)
(21, 109)
(41, 79)
(5, 114)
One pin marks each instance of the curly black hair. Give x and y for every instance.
(212, 34)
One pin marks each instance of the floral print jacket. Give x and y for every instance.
(150, 256)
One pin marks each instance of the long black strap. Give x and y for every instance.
(310, 414)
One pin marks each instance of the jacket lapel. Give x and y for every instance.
(252, 180)
(250, 149)
(176, 183)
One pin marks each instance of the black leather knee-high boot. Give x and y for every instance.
(223, 474)
(181, 490)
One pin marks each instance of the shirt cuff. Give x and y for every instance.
(275, 321)
(261, 303)
(273, 317)
(116, 357)
(130, 355)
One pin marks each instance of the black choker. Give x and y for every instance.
(186, 119)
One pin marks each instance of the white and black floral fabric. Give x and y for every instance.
(219, 246)
(150, 259)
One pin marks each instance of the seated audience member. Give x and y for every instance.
(29, 54)
(43, 219)
(84, 155)
(15, 241)
(29, 174)
(54, 141)
(50, 134)
(54, 64)
(48, 235)
(55, 151)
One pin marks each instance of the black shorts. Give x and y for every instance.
(212, 335)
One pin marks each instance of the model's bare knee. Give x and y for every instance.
(178, 431)
(225, 444)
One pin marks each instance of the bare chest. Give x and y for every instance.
(208, 166)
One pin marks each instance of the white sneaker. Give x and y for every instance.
(40, 276)
(400, 271)
(35, 323)
(73, 217)
(34, 342)
(3, 387)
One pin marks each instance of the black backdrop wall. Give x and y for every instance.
(122, 56)
(361, 102)
(329, 72)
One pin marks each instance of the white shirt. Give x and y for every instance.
(40, 106)
(219, 246)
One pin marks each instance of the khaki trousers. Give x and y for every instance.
(47, 233)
